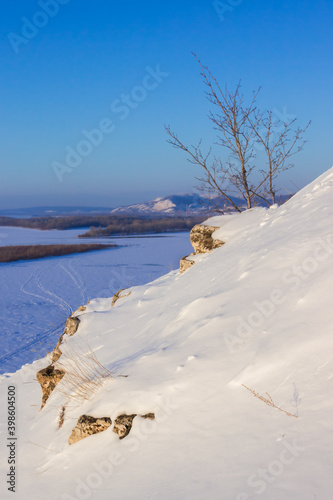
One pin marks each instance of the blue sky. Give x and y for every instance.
(69, 74)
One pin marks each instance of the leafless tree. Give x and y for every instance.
(240, 128)
(280, 143)
(214, 177)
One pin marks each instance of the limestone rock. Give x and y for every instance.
(202, 242)
(117, 296)
(56, 353)
(201, 238)
(123, 425)
(71, 327)
(150, 416)
(185, 263)
(61, 416)
(48, 378)
(87, 425)
(72, 324)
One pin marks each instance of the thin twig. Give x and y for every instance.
(268, 401)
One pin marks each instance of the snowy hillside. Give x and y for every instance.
(177, 204)
(233, 357)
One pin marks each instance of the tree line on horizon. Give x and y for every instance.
(105, 225)
(145, 226)
(31, 252)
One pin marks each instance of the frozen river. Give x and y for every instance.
(37, 296)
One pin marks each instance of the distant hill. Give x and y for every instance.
(173, 205)
(176, 205)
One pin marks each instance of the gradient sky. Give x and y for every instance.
(68, 76)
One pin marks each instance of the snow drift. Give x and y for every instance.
(233, 358)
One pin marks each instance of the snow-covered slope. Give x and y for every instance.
(177, 204)
(254, 315)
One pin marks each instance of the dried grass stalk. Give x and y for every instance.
(84, 374)
(268, 400)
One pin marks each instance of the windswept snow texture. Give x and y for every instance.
(256, 312)
(38, 296)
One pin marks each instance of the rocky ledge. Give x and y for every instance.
(202, 241)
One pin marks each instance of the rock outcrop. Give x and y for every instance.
(48, 378)
(150, 416)
(201, 238)
(87, 426)
(186, 263)
(72, 324)
(123, 425)
(202, 242)
(71, 327)
(61, 418)
(117, 296)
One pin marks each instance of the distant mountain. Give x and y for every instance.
(174, 205)
(177, 204)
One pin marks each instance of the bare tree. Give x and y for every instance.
(240, 128)
(214, 176)
(280, 143)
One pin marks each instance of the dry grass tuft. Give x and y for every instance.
(84, 374)
(268, 400)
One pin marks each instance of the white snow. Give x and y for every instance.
(37, 296)
(256, 312)
(163, 205)
(180, 204)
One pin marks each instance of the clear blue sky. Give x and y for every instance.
(62, 77)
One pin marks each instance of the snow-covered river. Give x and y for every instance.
(37, 296)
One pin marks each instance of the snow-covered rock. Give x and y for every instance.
(186, 262)
(233, 358)
(88, 426)
(49, 378)
(71, 327)
(202, 240)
